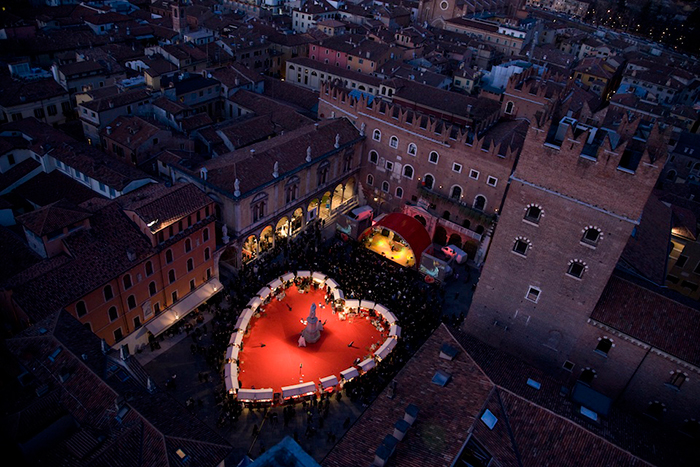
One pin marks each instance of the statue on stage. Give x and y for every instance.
(312, 332)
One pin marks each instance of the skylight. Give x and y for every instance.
(489, 419)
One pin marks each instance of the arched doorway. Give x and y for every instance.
(440, 236)
(267, 239)
(479, 202)
(349, 190)
(282, 228)
(250, 249)
(337, 197)
(297, 220)
(421, 219)
(325, 209)
(455, 240)
(312, 210)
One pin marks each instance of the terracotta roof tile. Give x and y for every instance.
(53, 217)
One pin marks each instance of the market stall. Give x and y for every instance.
(298, 390)
(367, 364)
(255, 395)
(386, 348)
(329, 383)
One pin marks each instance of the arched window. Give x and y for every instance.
(206, 254)
(169, 256)
(412, 149)
(149, 268)
(604, 346)
(456, 192)
(394, 142)
(190, 264)
(373, 157)
(428, 181)
(479, 229)
(433, 157)
(408, 171)
(322, 172)
(466, 223)
(113, 315)
(377, 135)
(480, 202)
(171, 276)
(80, 309)
(533, 213)
(370, 180)
(131, 302)
(188, 245)
(126, 280)
(521, 246)
(385, 187)
(108, 292)
(671, 175)
(576, 268)
(152, 288)
(587, 376)
(399, 192)
(677, 379)
(205, 235)
(509, 107)
(259, 206)
(591, 235)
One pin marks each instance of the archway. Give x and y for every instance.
(250, 249)
(455, 240)
(325, 209)
(267, 239)
(297, 220)
(479, 229)
(440, 236)
(446, 215)
(282, 228)
(349, 190)
(337, 197)
(312, 210)
(466, 223)
(479, 203)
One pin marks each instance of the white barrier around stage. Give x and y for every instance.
(367, 364)
(350, 373)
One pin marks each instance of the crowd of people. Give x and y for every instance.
(361, 274)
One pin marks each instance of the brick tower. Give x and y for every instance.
(574, 199)
(179, 17)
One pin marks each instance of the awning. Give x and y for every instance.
(352, 303)
(330, 283)
(274, 284)
(338, 294)
(319, 277)
(395, 331)
(303, 273)
(329, 382)
(367, 364)
(350, 373)
(182, 308)
(264, 293)
(288, 277)
(298, 390)
(247, 395)
(254, 303)
(367, 304)
(386, 347)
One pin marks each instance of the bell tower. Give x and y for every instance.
(179, 17)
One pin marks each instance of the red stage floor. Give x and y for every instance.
(277, 364)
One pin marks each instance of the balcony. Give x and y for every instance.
(464, 209)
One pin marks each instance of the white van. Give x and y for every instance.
(361, 213)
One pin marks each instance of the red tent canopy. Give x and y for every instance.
(408, 228)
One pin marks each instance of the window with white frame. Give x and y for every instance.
(433, 157)
(385, 187)
(491, 181)
(408, 171)
(373, 157)
(533, 213)
(521, 246)
(474, 174)
(394, 142)
(533, 294)
(591, 235)
(576, 268)
(456, 192)
(456, 167)
(399, 192)
(412, 149)
(377, 135)
(604, 345)
(428, 181)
